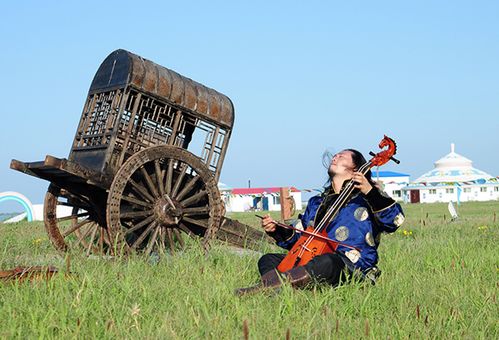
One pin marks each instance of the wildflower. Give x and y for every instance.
(407, 232)
(483, 227)
(135, 311)
(37, 241)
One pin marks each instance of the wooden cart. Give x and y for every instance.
(144, 164)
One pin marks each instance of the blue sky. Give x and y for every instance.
(304, 77)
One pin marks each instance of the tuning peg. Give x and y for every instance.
(392, 158)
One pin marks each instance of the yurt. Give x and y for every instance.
(453, 179)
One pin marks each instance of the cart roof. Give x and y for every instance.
(122, 68)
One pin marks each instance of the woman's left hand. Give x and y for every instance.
(361, 183)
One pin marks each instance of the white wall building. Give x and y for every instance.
(453, 179)
(392, 182)
(252, 199)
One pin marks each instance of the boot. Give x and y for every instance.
(298, 278)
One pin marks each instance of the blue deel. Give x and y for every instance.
(355, 225)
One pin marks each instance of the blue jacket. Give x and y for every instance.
(359, 224)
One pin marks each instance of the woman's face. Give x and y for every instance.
(342, 164)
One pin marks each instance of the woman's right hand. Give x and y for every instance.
(268, 224)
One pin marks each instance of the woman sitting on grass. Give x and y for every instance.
(358, 224)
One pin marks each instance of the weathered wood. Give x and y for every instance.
(241, 235)
(140, 111)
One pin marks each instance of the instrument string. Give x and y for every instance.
(333, 210)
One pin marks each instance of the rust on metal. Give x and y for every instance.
(122, 67)
(32, 273)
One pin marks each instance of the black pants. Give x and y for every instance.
(323, 268)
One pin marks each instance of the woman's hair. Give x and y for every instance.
(357, 158)
(358, 161)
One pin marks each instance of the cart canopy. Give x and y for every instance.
(122, 68)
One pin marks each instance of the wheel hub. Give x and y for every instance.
(167, 211)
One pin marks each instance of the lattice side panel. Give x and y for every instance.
(97, 121)
(145, 123)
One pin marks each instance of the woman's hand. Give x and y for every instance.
(361, 183)
(268, 224)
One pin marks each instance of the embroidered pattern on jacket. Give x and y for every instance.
(353, 255)
(370, 239)
(399, 219)
(342, 233)
(361, 214)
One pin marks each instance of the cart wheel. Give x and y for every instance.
(158, 193)
(78, 230)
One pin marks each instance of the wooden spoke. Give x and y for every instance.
(201, 223)
(193, 199)
(196, 211)
(105, 235)
(65, 236)
(92, 238)
(141, 190)
(159, 177)
(155, 176)
(136, 201)
(180, 178)
(169, 177)
(162, 237)
(101, 240)
(75, 227)
(108, 236)
(188, 187)
(86, 232)
(163, 174)
(140, 225)
(152, 241)
(149, 181)
(186, 230)
(98, 240)
(178, 236)
(143, 235)
(70, 217)
(133, 214)
(170, 240)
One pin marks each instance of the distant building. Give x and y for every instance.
(32, 212)
(392, 182)
(453, 179)
(253, 199)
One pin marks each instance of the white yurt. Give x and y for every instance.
(453, 179)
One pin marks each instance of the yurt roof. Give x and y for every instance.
(453, 168)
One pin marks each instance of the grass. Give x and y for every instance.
(440, 280)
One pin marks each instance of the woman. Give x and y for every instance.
(358, 224)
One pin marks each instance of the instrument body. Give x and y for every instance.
(316, 246)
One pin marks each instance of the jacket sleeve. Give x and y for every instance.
(290, 241)
(281, 234)
(387, 212)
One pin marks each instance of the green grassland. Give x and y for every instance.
(440, 280)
